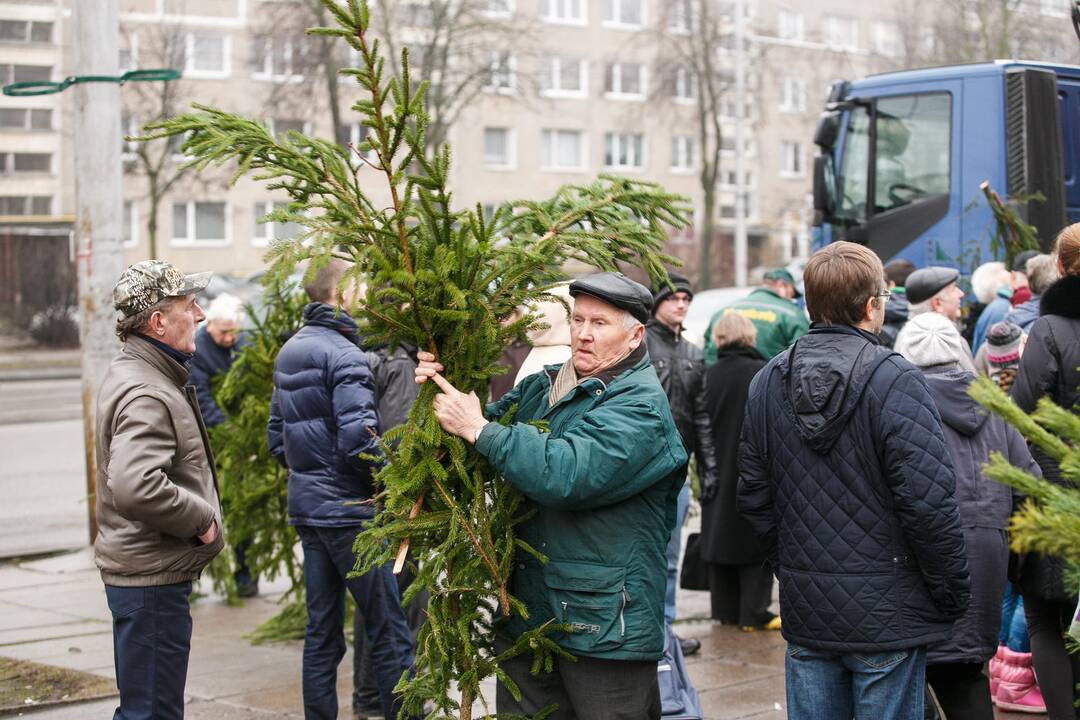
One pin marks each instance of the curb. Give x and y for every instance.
(57, 373)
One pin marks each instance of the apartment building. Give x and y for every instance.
(579, 89)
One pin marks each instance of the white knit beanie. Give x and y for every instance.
(932, 339)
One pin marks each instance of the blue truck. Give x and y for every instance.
(903, 155)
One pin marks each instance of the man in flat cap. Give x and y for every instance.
(603, 480)
(158, 512)
(935, 289)
(778, 321)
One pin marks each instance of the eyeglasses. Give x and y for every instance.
(885, 294)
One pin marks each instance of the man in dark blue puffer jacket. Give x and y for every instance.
(322, 419)
(846, 478)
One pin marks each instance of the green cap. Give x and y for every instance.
(783, 275)
(147, 283)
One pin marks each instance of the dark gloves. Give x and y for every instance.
(707, 484)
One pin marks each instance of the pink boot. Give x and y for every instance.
(995, 670)
(1017, 690)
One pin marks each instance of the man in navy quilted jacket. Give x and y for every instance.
(322, 415)
(846, 478)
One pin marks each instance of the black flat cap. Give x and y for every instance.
(681, 283)
(925, 283)
(1021, 260)
(616, 289)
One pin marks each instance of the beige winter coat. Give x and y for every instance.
(156, 484)
(552, 345)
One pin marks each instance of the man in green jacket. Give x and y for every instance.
(778, 321)
(603, 479)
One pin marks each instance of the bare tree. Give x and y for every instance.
(691, 38)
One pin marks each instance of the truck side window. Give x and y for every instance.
(853, 167)
(911, 149)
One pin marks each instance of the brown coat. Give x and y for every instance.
(156, 484)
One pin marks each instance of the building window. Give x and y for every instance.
(566, 77)
(206, 55)
(25, 119)
(727, 180)
(562, 150)
(275, 58)
(792, 163)
(790, 25)
(264, 232)
(26, 31)
(887, 40)
(25, 163)
(498, 147)
(682, 153)
(500, 76)
(131, 224)
(498, 8)
(128, 128)
(841, 32)
(354, 134)
(200, 223)
(624, 151)
(680, 16)
(625, 81)
(25, 205)
(683, 87)
(627, 14)
(24, 73)
(792, 95)
(129, 56)
(280, 126)
(567, 12)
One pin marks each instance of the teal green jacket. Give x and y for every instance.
(603, 481)
(778, 322)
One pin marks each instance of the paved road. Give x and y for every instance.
(42, 480)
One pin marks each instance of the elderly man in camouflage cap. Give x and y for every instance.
(158, 513)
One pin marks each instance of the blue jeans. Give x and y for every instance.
(1013, 633)
(825, 685)
(328, 558)
(151, 643)
(673, 554)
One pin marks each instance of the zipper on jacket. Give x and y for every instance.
(625, 603)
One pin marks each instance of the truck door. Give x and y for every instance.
(1069, 104)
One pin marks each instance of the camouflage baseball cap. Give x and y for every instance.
(147, 283)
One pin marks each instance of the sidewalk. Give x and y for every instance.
(32, 363)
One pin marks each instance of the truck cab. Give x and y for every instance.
(903, 155)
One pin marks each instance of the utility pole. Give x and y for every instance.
(740, 142)
(98, 207)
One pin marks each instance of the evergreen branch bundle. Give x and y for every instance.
(448, 281)
(1011, 233)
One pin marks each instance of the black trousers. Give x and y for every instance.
(1056, 670)
(962, 690)
(741, 593)
(589, 689)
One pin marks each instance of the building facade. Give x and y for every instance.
(572, 88)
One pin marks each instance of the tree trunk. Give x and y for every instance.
(707, 226)
(152, 221)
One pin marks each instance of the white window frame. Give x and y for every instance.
(559, 19)
(189, 57)
(554, 69)
(504, 14)
(27, 124)
(133, 52)
(831, 24)
(682, 155)
(885, 34)
(790, 26)
(683, 87)
(792, 94)
(262, 208)
(616, 93)
(133, 230)
(583, 148)
(9, 171)
(680, 21)
(494, 58)
(128, 154)
(190, 240)
(29, 32)
(617, 23)
(792, 150)
(266, 73)
(617, 139)
(511, 149)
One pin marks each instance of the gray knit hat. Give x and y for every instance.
(932, 339)
(1003, 344)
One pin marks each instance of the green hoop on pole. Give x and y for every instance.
(45, 87)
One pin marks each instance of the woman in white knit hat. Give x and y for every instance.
(954, 667)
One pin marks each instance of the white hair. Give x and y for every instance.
(986, 280)
(227, 308)
(630, 322)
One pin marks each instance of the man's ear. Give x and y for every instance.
(868, 308)
(155, 325)
(635, 339)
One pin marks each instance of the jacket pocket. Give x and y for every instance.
(591, 599)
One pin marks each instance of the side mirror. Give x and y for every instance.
(827, 130)
(824, 185)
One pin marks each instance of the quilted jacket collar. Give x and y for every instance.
(824, 373)
(328, 316)
(1062, 298)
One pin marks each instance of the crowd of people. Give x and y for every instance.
(826, 422)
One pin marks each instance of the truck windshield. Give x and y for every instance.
(909, 135)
